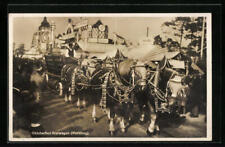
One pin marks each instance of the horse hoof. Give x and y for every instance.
(94, 120)
(157, 132)
(123, 130)
(194, 115)
(141, 122)
(150, 134)
(182, 115)
(111, 133)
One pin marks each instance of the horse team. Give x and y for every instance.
(118, 86)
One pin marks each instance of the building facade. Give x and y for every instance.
(42, 38)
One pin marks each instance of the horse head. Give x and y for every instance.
(88, 67)
(139, 75)
(133, 72)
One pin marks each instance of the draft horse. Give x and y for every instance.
(127, 78)
(163, 95)
(75, 79)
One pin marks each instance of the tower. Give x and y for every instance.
(44, 35)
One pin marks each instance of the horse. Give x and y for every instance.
(127, 78)
(102, 67)
(163, 95)
(75, 80)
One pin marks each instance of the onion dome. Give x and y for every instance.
(44, 24)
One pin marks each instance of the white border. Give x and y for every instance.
(209, 75)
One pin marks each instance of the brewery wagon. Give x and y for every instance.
(54, 64)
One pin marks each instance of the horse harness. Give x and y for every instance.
(120, 90)
(162, 97)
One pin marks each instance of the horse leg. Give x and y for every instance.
(157, 129)
(84, 103)
(141, 108)
(46, 79)
(183, 108)
(111, 124)
(152, 126)
(69, 95)
(78, 102)
(127, 116)
(130, 112)
(94, 114)
(108, 114)
(122, 125)
(83, 97)
(60, 89)
(65, 97)
(142, 118)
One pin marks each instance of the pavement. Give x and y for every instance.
(58, 116)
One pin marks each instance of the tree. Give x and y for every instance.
(194, 29)
(169, 43)
(184, 28)
(178, 27)
(158, 41)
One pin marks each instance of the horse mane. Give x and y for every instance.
(123, 67)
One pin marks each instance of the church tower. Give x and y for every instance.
(41, 38)
(44, 35)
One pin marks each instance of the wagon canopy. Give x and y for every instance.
(171, 63)
(177, 64)
(99, 47)
(150, 53)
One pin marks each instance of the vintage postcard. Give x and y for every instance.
(110, 77)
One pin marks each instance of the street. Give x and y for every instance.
(58, 116)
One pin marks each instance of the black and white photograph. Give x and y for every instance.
(110, 77)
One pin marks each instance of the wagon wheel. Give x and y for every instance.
(59, 88)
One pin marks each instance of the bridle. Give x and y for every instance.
(135, 72)
(131, 84)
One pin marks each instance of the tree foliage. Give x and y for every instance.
(180, 29)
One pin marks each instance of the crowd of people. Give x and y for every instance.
(28, 76)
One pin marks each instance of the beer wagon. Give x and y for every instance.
(54, 64)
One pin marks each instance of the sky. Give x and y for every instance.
(132, 28)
